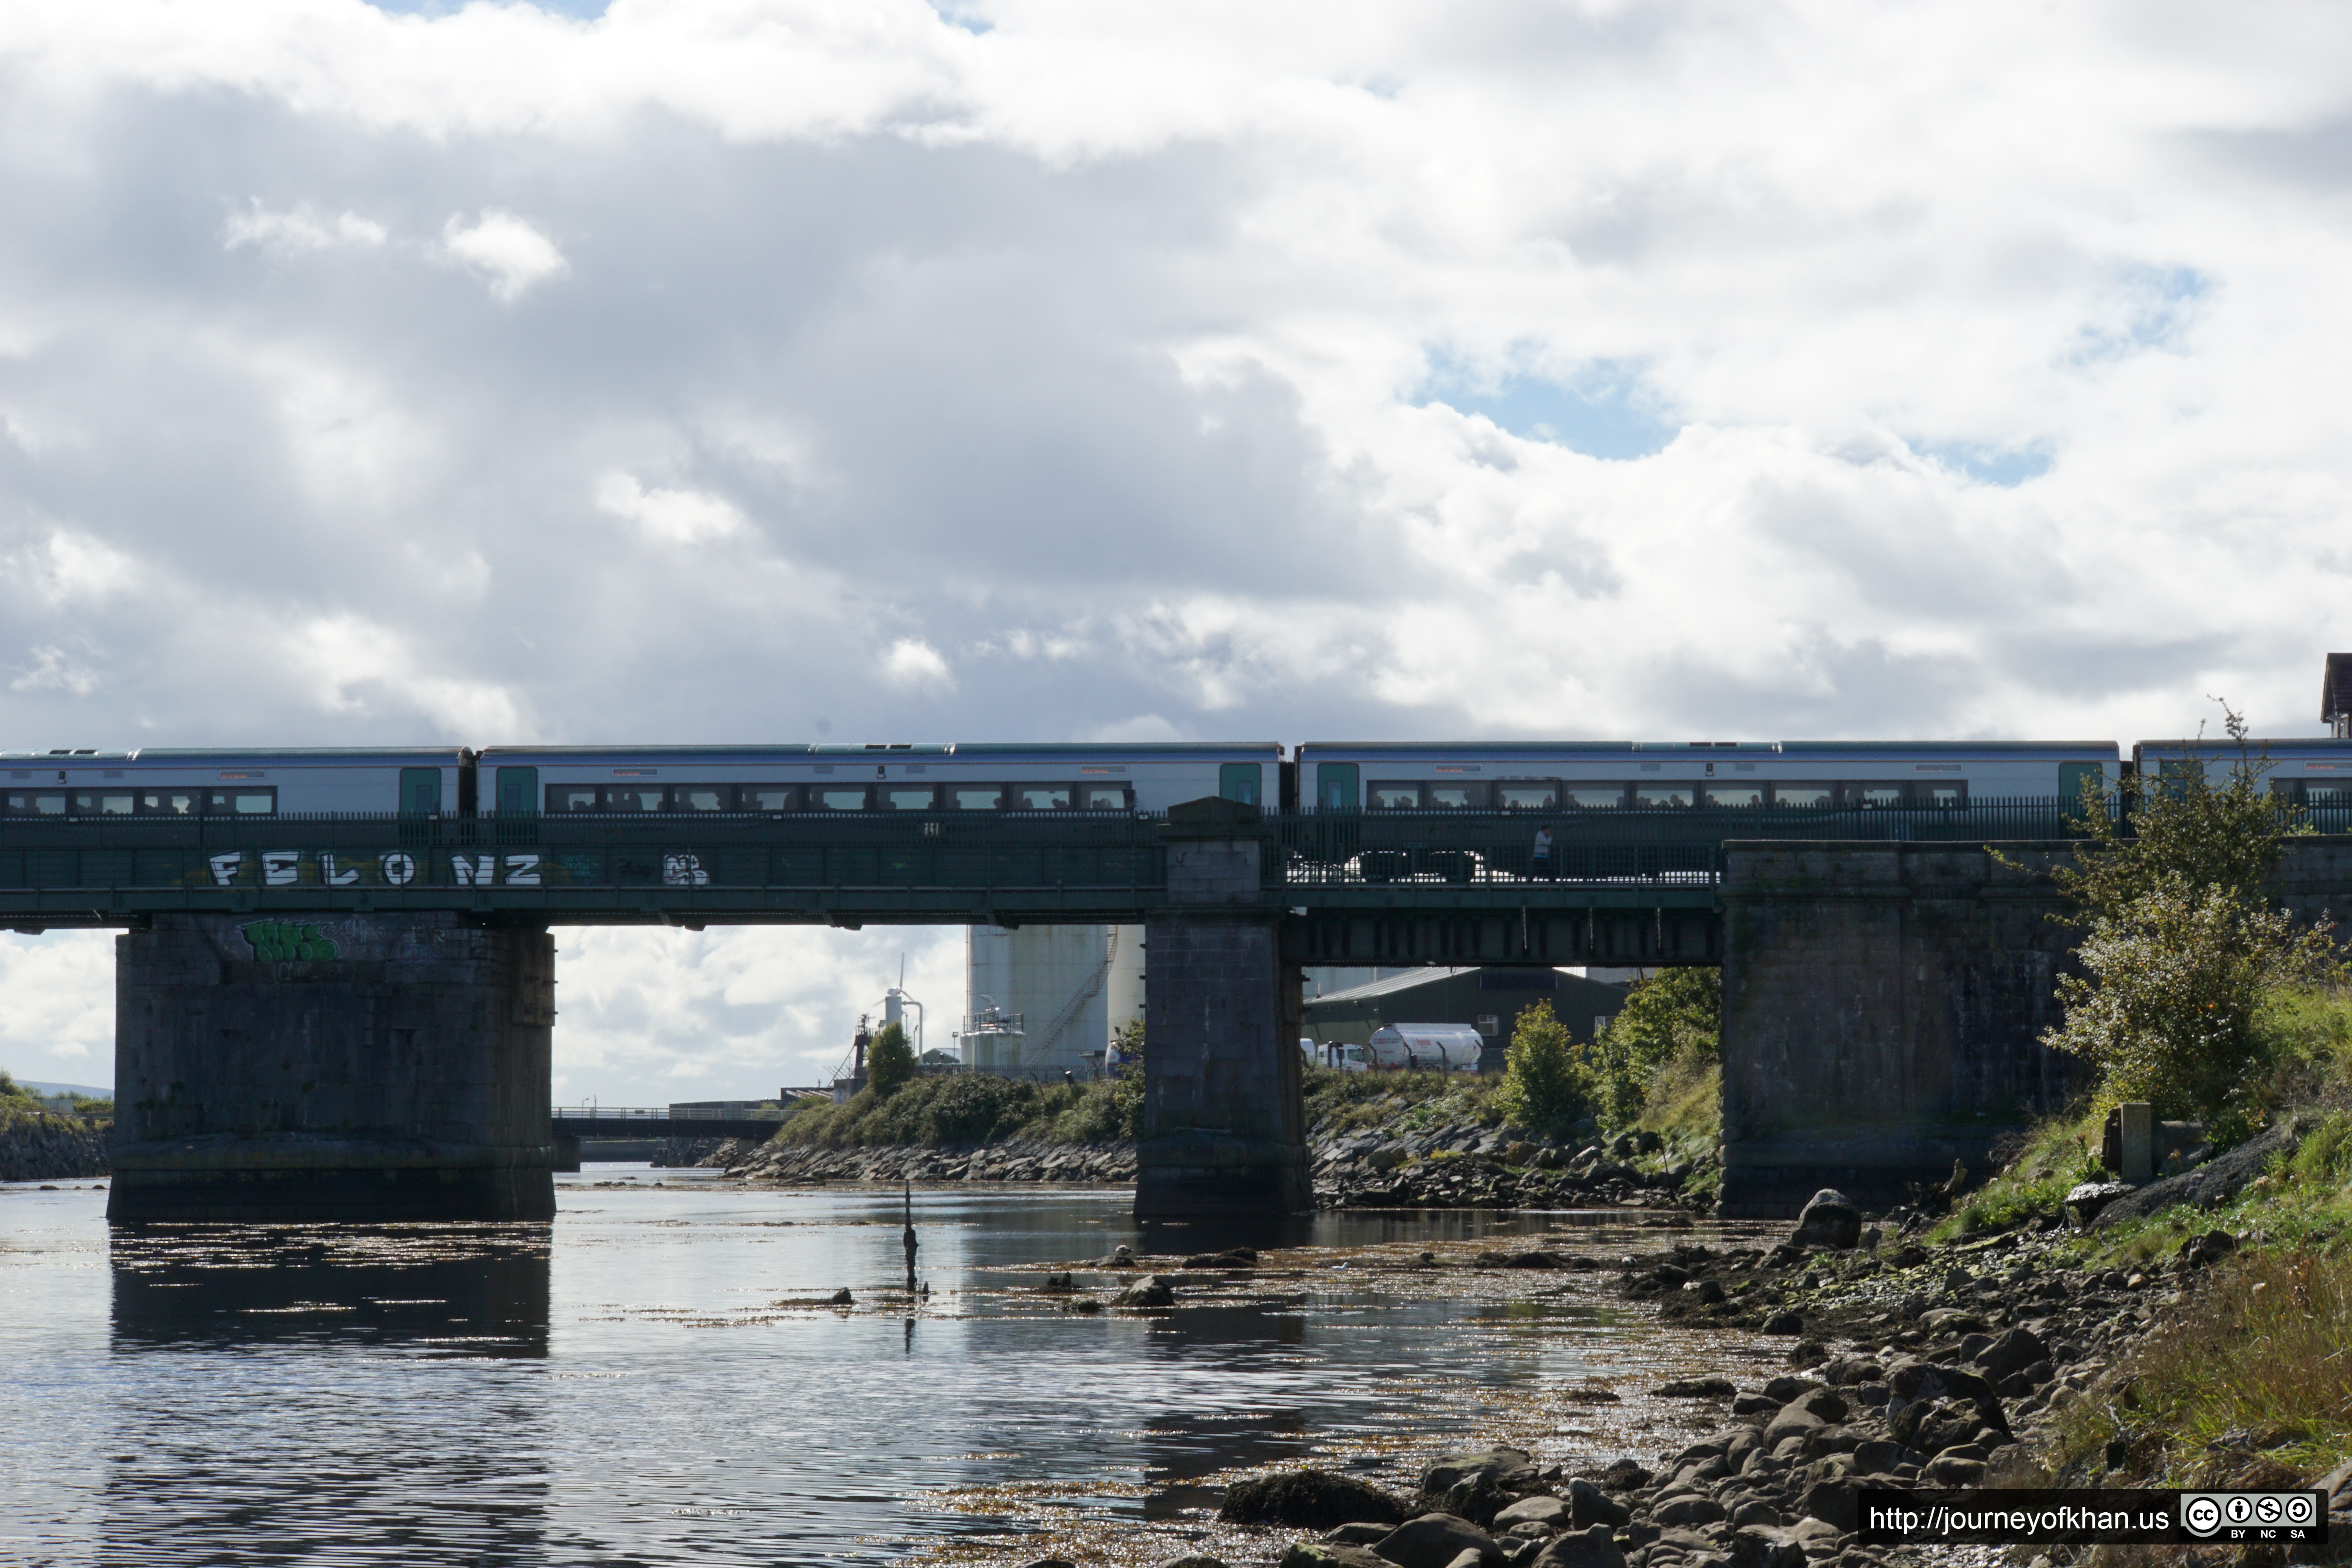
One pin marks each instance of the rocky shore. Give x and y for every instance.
(1908, 1367)
(41, 1146)
(803, 1164)
(1464, 1166)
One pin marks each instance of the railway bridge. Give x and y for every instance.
(351, 1016)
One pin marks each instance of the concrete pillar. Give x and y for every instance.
(2136, 1124)
(349, 1068)
(1883, 1005)
(1224, 1123)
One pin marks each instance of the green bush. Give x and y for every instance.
(1546, 1088)
(13, 1092)
(2170, 1008)
(889, 1061)
(1674, 1014)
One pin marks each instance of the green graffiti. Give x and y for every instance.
(282, 942)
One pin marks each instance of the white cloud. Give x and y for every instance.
(58, 1026)
(679, 517)
(1373, 370)
(300, 231)
(514, 256)
(913, 663)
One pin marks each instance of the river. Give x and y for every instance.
(655, 1377)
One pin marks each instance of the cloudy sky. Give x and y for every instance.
(780, 369)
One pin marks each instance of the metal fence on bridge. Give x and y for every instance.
(944, 866)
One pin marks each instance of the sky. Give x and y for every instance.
(795, 370)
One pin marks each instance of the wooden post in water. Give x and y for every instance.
(909, 1237)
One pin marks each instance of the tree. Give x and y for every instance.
(2181, 950)
(889, 1061)
(1673, 1013)
(1545, 1086)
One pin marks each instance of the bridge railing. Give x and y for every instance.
(1651, 847)
(660, 1114)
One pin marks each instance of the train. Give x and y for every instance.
(1534, 777)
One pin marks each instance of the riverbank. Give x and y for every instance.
(43, 1146)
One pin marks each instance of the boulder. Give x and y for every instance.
(1152, 1290)
(1689, 1509)
(1549, 1512)
(1359, 1532)
(1828, 1219)
(1794, 1421)
(2012, 1352)
(1332, 1554)
(2085, 1200)
(1765, 1546)
(2204, 1251)
(1435, 1539)
(1954, 1473)
(2210, 1184)
(1451, 1469)
(1787, 1320)
(1593, 1548)
(1695, 1388)
(1822, 1403)
(1309, 1500)
(1479, 1496)
(1588, 1505)
(1837, 1503)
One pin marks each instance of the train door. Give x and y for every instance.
(1336, 787)
(420, 792)
(1241, 782)
(518, 792)
(2072, 779)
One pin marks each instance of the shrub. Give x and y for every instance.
(889, 1061)
(2169, 1006)
(1675, 1013)
(1544, 1086)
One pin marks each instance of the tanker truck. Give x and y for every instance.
(1426, 1048)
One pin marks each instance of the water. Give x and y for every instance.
(655, 1379)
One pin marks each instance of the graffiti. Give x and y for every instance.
(225, 867)
(281, 867)
(399, 869)
(684, 872)
(522, 872)
(283, 941)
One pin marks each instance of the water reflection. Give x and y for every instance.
(327, 1394)
(467, 1290)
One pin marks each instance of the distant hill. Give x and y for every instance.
(93, 1091)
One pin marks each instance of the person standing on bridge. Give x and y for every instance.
(1539, 865)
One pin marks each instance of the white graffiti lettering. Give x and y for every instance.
(281, 867)
(335, 876)
(471, 871)
(522, 872)
(226, 867)
(684, 872)
(399, 868)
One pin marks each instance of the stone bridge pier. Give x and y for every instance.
(1223, 1118)
(348, 1067)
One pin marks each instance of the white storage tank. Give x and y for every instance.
(1042, 1000)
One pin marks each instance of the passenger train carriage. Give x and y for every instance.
(155, 783)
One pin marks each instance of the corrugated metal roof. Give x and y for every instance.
(1392, 986)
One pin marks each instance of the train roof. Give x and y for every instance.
(2225, 747)
(1710, 749)
(1137, 751)
(320, 756)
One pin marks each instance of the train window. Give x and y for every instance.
(1735, 794)
(1526, 797)
(699, 797)
(1955, 793)
(1239, 781)
(1805, 796)
(37, 803)
(1392, 795)
(630, 798)
(1593, 797)
(1663, 795)
(167, 803)
(2326, 792)
(766, 797)
(1872, 794)
(245, 802)
(837, 797)
(570, 798)
(102, 803)
(975, 797)
(1455, 797)
(905, 798)
(1102, 798)
(1042, 797)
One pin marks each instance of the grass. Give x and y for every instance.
(1349, 1101)
(2249, 1380)
(970, 1109)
